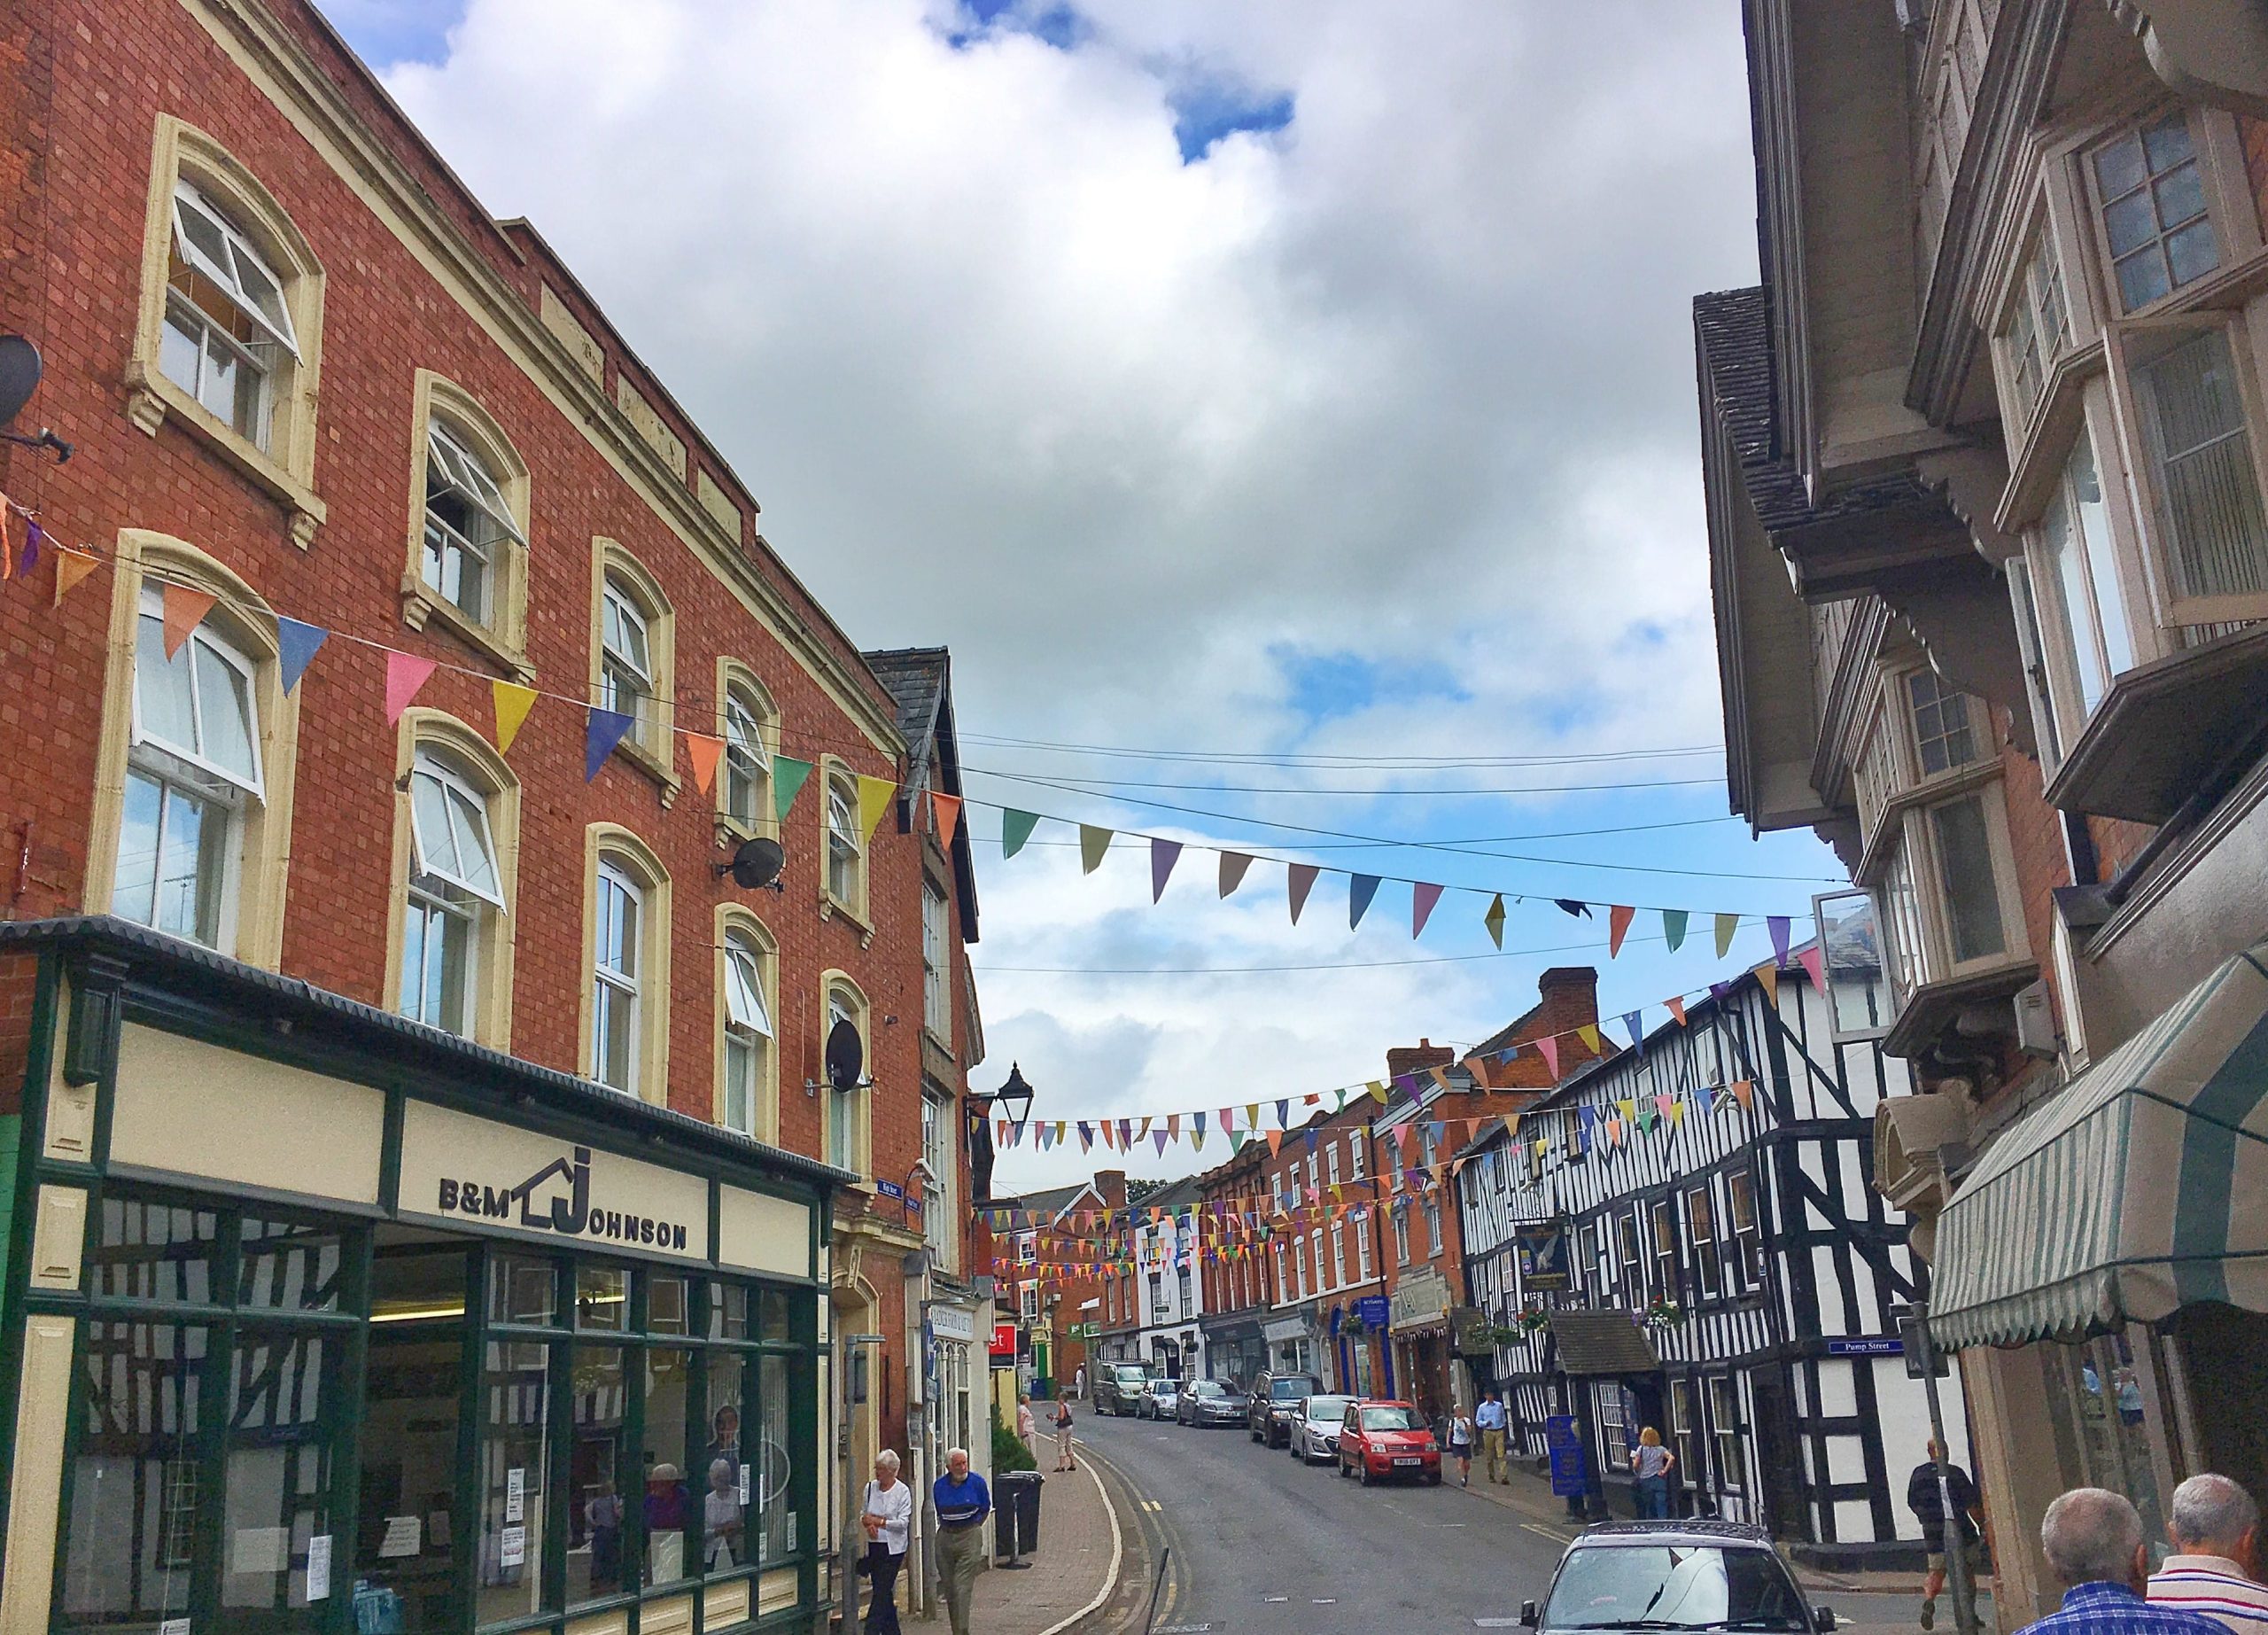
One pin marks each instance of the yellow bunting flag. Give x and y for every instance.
(1495, 919)
(1093, 842)
(874, 800)
(1769, 977)
(1378, 1090)
(185, 609)
(512, 704)
(1588, 1034)
(71, 569)
(1726, 925)
(703, 752)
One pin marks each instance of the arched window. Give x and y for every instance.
(190, 826)
(229, 339)
(748, 1048)
(625, 1009)
(468, 525)
(454, 884)
(749, 725)
(846, 858)
(633, 665)
(846, 1133)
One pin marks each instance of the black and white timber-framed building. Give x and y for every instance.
(1747, 1215)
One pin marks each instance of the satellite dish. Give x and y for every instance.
(846, 1055)
(19, 370)
(756, 864)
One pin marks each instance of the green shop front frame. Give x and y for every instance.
(319, 1320)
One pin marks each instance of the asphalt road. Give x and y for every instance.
(1261, 1545)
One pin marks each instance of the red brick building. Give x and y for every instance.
(311, 386)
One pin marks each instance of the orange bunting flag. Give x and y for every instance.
(1676, 1008)
(7, 547)
(1770, 977)
(946, 809)
(703, 752)
(71, 569)
(1275, 1142)
(512, 703)
(185, 609)
(1618, 925)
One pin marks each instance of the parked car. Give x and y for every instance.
(1267, 1413)
(1379, 1439)
(1116, 1385)
(1675, 1576)
(1315, 1429)
(1159, 1399)
(1208, 1402)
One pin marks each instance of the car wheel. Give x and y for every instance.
(1363, 1473)
(1433, 1480)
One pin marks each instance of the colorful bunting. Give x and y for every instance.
(1093, 841)
(1422, 898)
(1569, 906)
(1814, 961)
(1768, 976)
(945, 810)
(1015, 828)
(605, 729)
(185, 608)
(1631, 1019)
(1588, 1033)
(1618, 925)
(788, 776)
(874, 800)
(1360, 889)
(1778, 925)
(1549, 1048)
(1300, 882)
(1673, 927)
(1233, 865)
(295, 644)
(1726, 925)
(511, 702)
(71, 569)
(1163, 855)
(1494, 921)
(703, 752)
(1676, 1008)
(406, 673)
(34, 536)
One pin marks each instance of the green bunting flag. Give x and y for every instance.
(1672, 927)
(1015, 828)
(1726, 925)
(1093, 842)
(788, 775)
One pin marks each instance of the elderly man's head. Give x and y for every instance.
(2212, 1515)
(2093, 1536)
(957, 1464)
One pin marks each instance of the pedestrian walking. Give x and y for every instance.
(886, 1512)
(1489, 1420)
(1461, 1445)
(963, 1501)
(1079, 1383)
(1924, 1499)
(1650, 1464)
(2093, 1539)
(1027, 1427)
(1063, 1459)
(2215, 1530)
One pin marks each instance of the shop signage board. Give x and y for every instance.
(1003, 1348)
(1870, 1346)
(1569, 1468)
(1543, 1256)
(952, 1322)
(1372, 1309)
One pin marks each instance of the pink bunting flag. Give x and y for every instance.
(1815, 962)
(1550, 1046)
(1422, 898)
(406, 673)
(1301, 882)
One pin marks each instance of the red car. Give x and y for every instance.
(1381, 1439)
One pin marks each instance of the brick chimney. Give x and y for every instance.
(1417, 1057)
(1570, 1000)
(1112, 1185)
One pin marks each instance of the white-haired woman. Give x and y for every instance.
(886, 1512)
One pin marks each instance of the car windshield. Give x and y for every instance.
(1393, 1419)
(1672, 1587)
(1206, 1388)
(1165, 1387)
(1328, 1407)
(1289, 1390)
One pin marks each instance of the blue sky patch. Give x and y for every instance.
(1058, 26)
(1326, 686)
(1209, 109)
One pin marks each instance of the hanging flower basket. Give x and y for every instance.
(1664, 1313)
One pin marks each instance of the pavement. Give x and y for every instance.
(1072, 1573)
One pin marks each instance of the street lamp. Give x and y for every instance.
(1015, 1097)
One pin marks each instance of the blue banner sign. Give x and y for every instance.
(890, 1189)
(1570, 1469)
(1372, 1309)
(1877, 1345)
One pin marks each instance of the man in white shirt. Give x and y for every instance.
(2215, 1528)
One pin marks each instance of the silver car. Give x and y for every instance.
(1159, 1399)
(1315, 1429)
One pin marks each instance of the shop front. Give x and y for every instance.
(2102, 1273)
(1418, 1315)
(1291, 1346)
(1234, 1350)
(321, 1322)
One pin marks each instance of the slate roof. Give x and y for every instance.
(919, 681)
(1733, 332)
(1597, 1343)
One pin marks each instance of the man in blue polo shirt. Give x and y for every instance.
(963, 1501)
(1488, 1418)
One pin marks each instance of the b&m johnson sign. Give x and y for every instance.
(473, 1172)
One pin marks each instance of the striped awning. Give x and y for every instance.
(2140, 1187)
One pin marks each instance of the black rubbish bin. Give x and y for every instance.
(1016, 1514)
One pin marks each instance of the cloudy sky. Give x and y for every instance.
(1299, 395)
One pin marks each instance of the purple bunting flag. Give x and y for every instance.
(607, 728)
(1360, 889)
(1163, 855)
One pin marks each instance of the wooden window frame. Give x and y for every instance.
(732, 920)
(502, 638)
(650, 743)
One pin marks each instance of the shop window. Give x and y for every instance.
(748, 1052)
(847, 1107)
(633, 657)
(192, 776)
(749, 726)
(135, 1483)
(456, 871)
(845, 883)
(2150, 198)
(467, 563)
(625, 993)
(228, 336)
(514, 1477)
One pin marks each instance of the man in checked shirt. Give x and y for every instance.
(2093, 1539)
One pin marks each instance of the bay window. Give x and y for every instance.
(455, 883)
(192, 773)
(2204, 477)
(2150, 208)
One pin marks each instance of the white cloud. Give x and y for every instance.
(1410, 377)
